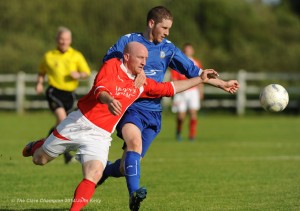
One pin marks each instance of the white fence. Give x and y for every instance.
(17, 91)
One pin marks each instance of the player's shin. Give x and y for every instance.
(113, 170)
(83, 194)
(132, 171)
(193, 128)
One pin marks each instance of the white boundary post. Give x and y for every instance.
(242, 92)
(20, 92)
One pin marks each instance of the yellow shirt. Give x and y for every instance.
(58, 66)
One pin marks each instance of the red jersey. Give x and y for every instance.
(114, 78)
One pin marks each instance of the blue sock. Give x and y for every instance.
(113, 170)
(132, 171)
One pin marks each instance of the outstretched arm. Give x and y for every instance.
(230, 86)
(208, 76)
(182, 85)
(154, 89)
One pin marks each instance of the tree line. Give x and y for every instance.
(227, 35)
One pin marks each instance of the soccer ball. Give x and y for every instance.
(274, 98)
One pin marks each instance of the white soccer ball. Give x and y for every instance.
(274, 98)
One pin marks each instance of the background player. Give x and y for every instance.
(89, 128)
(188, 100)
(64, 66)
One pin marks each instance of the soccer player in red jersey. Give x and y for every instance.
(141, 122)
(189, 100)
(89, 128)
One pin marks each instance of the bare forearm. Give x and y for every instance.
(182, 85)
(83, 75)
(207, 76)
(40, 79)
(78, 75)
(39, 83)
(105, 98)
(230, 86)
(216, 82)
(114, 106)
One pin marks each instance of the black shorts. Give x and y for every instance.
(60, 99)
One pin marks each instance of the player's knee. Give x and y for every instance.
(93, 170)
(97, 175)
(134, 145)
(40, 157)
(39, 160)
(94, 175)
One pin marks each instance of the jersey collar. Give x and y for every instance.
(67, 51)
(131, 76)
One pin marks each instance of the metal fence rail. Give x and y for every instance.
(17, 91)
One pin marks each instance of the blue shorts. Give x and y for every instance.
(149, 123)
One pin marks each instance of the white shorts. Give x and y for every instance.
(90, 141)
(189, 99)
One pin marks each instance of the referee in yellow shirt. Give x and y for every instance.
(64, 66)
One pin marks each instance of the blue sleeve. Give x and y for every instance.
(116, 51)
(182, 64)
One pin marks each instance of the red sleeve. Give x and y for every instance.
(198, 63)
(175, 76)
(154, 89)
(102, 81)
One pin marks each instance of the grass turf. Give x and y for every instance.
(236, 163)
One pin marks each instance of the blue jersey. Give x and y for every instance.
(160, 57)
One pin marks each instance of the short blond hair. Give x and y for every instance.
(61, 30)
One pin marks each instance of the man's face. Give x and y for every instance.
(64, 41)
(137, 61)
(160, 30)
(188, 51)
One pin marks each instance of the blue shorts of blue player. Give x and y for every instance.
(138, 128)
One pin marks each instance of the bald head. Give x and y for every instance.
(134, 48)
(135, 56)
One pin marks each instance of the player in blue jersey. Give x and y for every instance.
(142, 121)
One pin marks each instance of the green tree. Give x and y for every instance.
(228, 35)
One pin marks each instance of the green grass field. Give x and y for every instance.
(237, 163)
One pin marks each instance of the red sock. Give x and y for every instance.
(83, 194)
(193, 127)
(37, 145)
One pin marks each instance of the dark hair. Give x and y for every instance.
(158, 14)
(187, 44)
